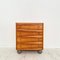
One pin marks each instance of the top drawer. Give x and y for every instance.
(29, 26)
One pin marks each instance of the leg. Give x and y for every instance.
(39, 51)
(19, 51)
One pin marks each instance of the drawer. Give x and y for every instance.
(27, 33)
(29, 26)
(30, 43)
(24, 45)
(27, 30)
(29, 39)
(35, 37)
(29, 47)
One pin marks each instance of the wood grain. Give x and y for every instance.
(29, 43)
(29, 39)
(29, 26)
(29, 36)
(26, 33)
(29, 46)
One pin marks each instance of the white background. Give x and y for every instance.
(46, 11)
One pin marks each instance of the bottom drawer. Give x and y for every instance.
(29, 47)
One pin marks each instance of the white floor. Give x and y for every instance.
(11, 54)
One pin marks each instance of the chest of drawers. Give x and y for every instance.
(29, 36)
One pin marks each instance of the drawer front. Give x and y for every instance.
(29, 36)
(26, 33)
(29, 39)
(29, 26)
(29, 47)
(29, 43)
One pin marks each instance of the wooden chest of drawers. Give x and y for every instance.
(29, 36)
